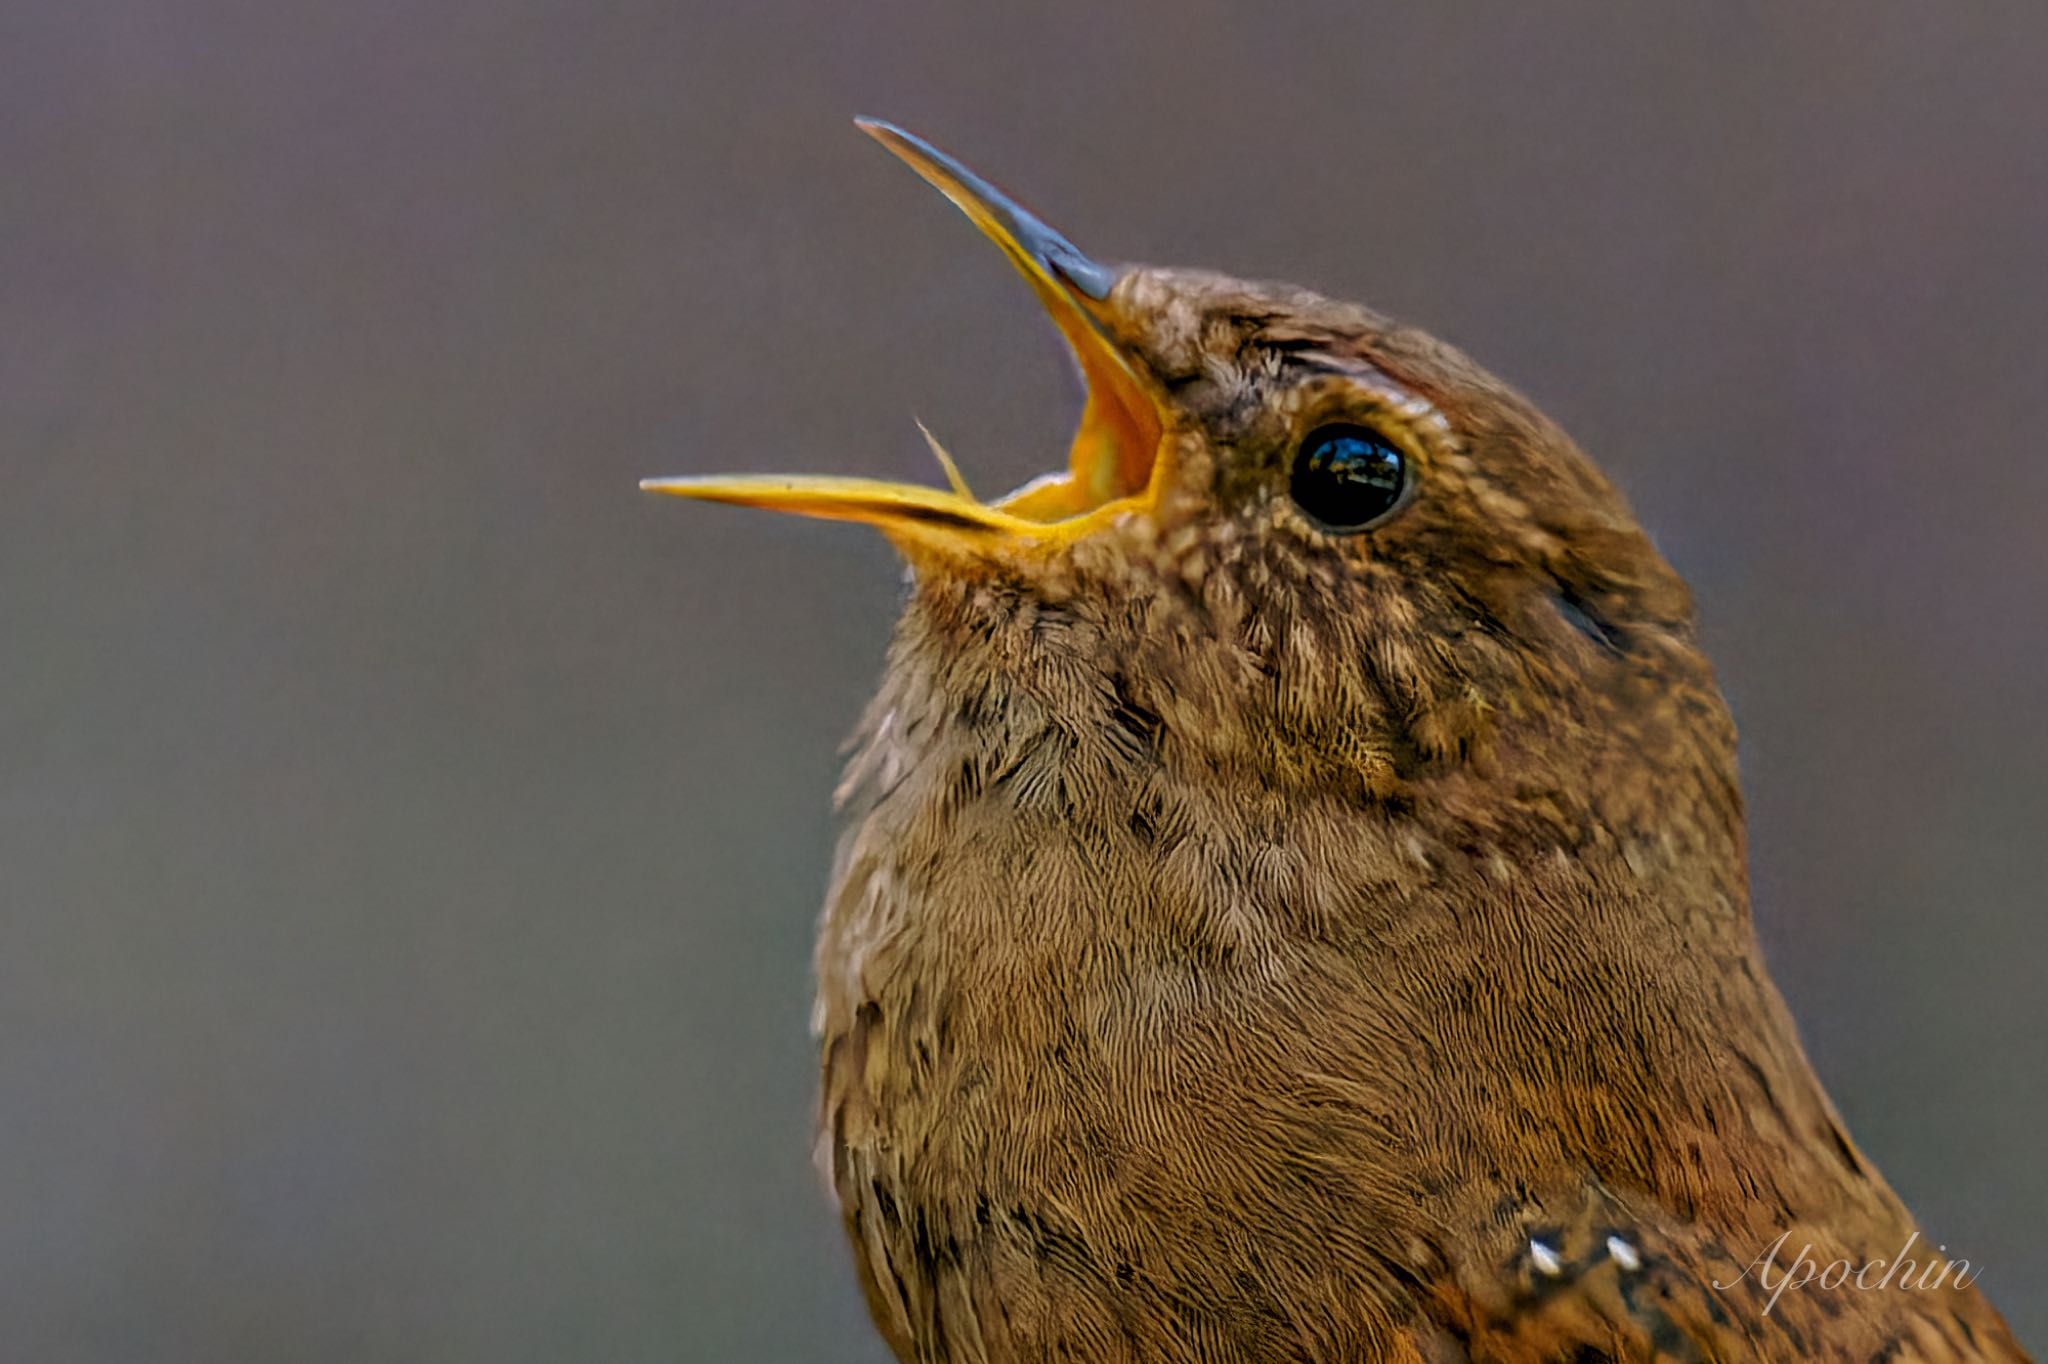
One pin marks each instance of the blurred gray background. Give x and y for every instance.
(410, 834)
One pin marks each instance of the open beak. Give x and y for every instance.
(1113, 466)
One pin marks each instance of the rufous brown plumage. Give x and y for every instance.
(1293, 903)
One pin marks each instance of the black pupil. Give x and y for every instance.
(1347, 476)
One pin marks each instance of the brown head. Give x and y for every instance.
(1299, 544)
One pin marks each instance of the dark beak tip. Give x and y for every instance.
(1053, 251)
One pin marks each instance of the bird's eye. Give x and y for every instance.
(1348, 477)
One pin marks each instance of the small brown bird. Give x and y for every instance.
(1293, 906)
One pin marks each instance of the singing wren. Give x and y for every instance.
(1292, 904)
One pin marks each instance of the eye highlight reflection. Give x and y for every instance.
(1348, 477)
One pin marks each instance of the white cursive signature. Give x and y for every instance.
(1804, 1269)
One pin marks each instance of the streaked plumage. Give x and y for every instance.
(1253, 943)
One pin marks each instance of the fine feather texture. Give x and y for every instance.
(1255, 944)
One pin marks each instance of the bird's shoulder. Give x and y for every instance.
(1619, 1282)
